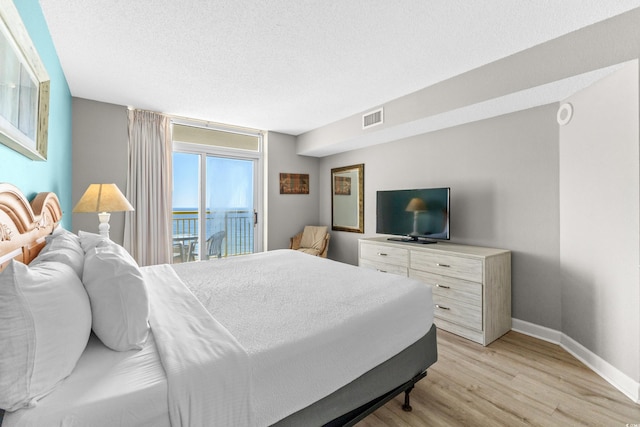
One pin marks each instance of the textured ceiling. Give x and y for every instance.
(290, 65)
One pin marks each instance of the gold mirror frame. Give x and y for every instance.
(347, 198)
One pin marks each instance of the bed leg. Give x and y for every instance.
(407, 406)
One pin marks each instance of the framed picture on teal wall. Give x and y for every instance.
(24, 88)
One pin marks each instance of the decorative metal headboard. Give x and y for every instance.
(24, 225)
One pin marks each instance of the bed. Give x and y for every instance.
(276, 338)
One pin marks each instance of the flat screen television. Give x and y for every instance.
(420, 215)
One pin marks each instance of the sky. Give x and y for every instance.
(229, 182)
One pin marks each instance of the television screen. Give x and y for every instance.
(419, 215)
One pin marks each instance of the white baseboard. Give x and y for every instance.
(533, 330)
(628, 386)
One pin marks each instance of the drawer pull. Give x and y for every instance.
(443, 265)
(381, 254)
(382, 271)
(438, 285)
(441, 307)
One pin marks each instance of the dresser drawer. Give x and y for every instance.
(450, 287)
(472, 334)
(448, 265)
(386, 254)
(383, 267)
(457, 312)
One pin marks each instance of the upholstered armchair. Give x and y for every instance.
(313, 240)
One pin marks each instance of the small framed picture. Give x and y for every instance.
(294, 183)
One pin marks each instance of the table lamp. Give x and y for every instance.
(103, 199)
(416, 205)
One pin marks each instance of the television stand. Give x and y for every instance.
(423, 241)
(471, 285)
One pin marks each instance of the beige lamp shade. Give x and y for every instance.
(103, 198)
(416, 205)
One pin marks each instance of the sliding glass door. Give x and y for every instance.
(229, 207)
(216, 203)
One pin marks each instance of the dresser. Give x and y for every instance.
(471, 284)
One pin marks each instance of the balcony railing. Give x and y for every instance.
(237, 225)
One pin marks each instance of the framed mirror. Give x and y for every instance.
(24, 88)
(347, 198)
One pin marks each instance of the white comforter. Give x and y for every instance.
(309, 325)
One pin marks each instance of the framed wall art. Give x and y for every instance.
(294, 183)
(24, 88)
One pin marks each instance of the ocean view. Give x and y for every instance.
(236, 223)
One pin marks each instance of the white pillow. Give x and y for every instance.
(119, 301)
(60, 230)
(89, 241)
(45, 322)
(62, 246)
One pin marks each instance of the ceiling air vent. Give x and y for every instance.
(372, 118)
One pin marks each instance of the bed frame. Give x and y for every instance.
(24, 226)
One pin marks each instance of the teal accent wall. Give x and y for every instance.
(54, 175)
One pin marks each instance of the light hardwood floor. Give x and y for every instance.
(515, 381)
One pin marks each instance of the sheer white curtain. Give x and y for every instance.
(147, 230)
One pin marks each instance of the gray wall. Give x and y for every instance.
(599, 220)
(503, 174)
(564, 199)
(289, 213)
(100, 155)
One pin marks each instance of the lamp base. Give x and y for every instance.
(104, 223)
